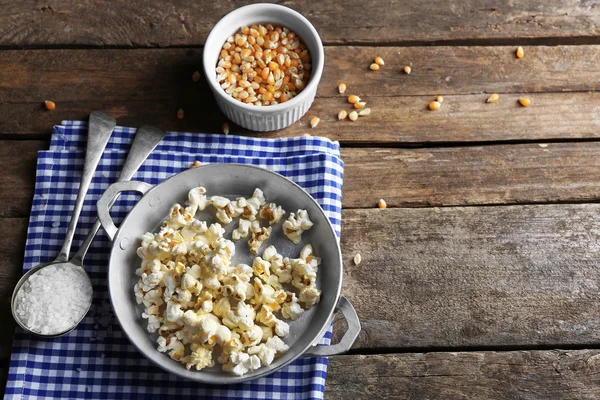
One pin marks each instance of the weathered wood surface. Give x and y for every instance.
(474, 276)
(18, 161)
(451, 176)
(445, 176)
(11, 267)
(456, 277)
(523, 375)
(182, 23)
(161, 74)
(148, 86)
(397, 120)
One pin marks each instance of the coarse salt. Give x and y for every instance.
(53, 299)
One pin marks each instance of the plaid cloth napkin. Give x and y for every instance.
(96, 360)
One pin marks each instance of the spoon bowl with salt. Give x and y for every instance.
(52, 298)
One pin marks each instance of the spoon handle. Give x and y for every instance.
(100, 128)
(145, 141)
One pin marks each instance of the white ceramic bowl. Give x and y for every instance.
(266, 118)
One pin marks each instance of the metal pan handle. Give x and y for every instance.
(349, 337)
(105, 202)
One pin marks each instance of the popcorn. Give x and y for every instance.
(189, 282)
(252, 336)
(240, 363)
(177, 217)
(174, 312)
(291, 309)
(296, 224)
(258, 236)
(253, 204)
(266, 351)
(221, 307)
(266, 296)
(267, 318)
(272, 213)
(196, 200)
(197, 301)
(241, 317)
(201, 357)
(223, 210)
(267, 332)
(154, 320)
(261, 268)
(310, 296)
(278, 266)
(242, 231)
(171, 345)
(236, 287)
(193, 229)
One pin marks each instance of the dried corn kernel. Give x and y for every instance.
(342, 88)
(407, 70)
(493, 98)
(263, 65)
(434, 105)
(382, 204)
(352, 99)
(364, 111)
(196, 76)
(520, 52)
(360, 104)
(180, 113)
(314, 122)
(524, 101)
(342, 115)
(357, 258)
(379, 61)
(374, 67)
(439, 99)
(196, 164)
(225, 128)
(353, 116)
(50, 105)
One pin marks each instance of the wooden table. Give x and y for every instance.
(481, 279)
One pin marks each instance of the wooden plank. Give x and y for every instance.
(148, 86)
(474, 276)
(456, 277)
(18, 161)
(445, 176)
(181, 23)
(502, 174)
(162, 74)
(11, 267)
(395, 120)
(524, 375)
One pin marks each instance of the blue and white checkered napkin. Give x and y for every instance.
(97, 360)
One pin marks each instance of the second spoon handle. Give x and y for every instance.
(145, 141)
(100, 128)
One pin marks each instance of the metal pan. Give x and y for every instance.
(230, 180)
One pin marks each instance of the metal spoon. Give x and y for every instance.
(145, 141)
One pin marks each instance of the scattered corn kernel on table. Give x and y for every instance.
(480, 279)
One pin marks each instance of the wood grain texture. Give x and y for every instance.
(454, 176)
(148, 86)
(474, 276)
(181, 23)
(397, 120)
(457, 277)
(18, 161)
(523, 375)
(11, 267)
(162, 74)
(445, 176)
